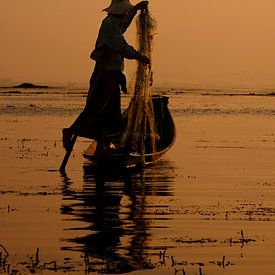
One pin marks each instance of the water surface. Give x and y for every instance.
(207, 208)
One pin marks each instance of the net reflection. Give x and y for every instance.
(112, 216)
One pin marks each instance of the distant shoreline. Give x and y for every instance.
(27, 85)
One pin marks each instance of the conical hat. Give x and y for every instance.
(119, 7)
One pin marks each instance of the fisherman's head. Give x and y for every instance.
(119, 7)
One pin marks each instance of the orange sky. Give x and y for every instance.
(199, 42)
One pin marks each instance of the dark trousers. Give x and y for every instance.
(102, 112)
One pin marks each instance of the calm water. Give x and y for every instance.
(207, 208)
(69, 101)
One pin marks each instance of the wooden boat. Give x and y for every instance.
(165, 131)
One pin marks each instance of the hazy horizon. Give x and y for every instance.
(198, 43)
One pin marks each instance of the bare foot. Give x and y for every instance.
(67, 135)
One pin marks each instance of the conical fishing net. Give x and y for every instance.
(140, 135)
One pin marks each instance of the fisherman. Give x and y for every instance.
(101, 115)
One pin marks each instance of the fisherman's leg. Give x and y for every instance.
(115, 118)
(92, 120)
(113, 124)
(110, 118)
(68, 133)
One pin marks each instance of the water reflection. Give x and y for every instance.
(112, 216)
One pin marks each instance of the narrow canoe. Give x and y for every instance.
(165, 130)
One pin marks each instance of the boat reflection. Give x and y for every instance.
(112, 216)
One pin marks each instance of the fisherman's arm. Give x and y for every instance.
(117, 42)
(127, 20)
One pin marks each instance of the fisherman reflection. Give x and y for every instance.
(99, 204)
(113, 208)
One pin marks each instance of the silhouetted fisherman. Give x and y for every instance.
(102, 113)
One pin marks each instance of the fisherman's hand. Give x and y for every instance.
(143, 5)
(144, 60)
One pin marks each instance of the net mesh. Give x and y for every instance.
(140, 130)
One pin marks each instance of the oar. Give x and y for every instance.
(67, 155)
